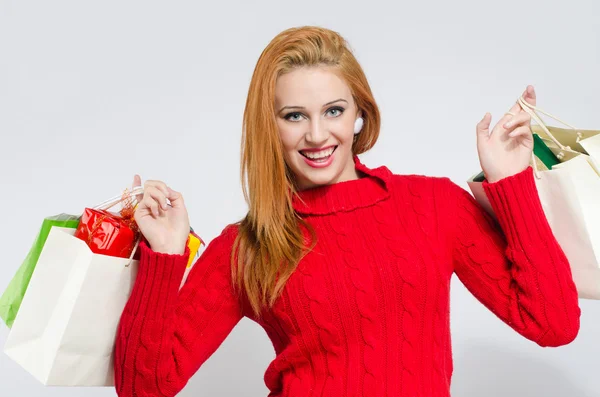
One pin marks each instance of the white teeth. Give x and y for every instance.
(319, 155)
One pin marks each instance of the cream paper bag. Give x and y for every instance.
(570, 197)
(592, 147)
(65, 330)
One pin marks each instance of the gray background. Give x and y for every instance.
(92, 92)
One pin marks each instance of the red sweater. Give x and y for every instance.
(366, 313)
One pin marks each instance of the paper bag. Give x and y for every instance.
(14, 293)
(65, 330)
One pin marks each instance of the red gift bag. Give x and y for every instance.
(106, 233)
(109, 233)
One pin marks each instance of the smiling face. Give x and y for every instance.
(315, 117)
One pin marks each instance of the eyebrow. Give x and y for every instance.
(302, 107)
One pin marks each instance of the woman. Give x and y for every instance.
(347, 268)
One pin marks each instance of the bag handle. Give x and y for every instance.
(529, 109)
(135, 247)
(532, 111)
(111, 202)
(526, 104)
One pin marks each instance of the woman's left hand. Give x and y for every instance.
(507, 150)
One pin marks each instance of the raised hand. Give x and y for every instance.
(165, 226)
(506, 151)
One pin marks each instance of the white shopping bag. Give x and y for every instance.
(64, 333)
(569, 193)
(65, 330)
(592, 147)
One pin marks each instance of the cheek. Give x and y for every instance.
(290, 135)
(343, 129)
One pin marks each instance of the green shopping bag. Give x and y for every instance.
(14, 293)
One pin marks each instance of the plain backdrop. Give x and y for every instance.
(93, 92)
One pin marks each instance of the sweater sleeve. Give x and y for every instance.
(166, 333)
(514, 265)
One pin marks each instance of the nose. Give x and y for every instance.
(318, 134)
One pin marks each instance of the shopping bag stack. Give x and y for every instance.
(65, 301)
(566, 163)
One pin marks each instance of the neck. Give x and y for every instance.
(367, 187)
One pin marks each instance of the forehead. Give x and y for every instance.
(310, 86)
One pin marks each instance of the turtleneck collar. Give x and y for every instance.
(372, 187)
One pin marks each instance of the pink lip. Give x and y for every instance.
(315, 164)
(317, 149)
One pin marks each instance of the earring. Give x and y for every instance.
(358, 125)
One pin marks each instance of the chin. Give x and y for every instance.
(310, 177)
(312, 181)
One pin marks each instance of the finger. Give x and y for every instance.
(137, 182)
(529, 95)
(515, 110)
(159, 184)
(151, 204)
(156, 194)
(175, 198)
(483, 127)
(522, 131)
(518, 119)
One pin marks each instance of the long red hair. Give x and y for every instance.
(271, 239)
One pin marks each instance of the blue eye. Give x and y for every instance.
(289, 116)
(296, 116)
(338, 109)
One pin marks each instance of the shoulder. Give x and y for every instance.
(437, 198)
(419, 184)
(420, 187)
(436, 194)
(222, 244)
(230, 231)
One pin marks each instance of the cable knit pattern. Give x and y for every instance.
(366, 313)
(319, 311)
(366, 302)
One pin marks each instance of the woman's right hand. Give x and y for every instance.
(166, 227)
